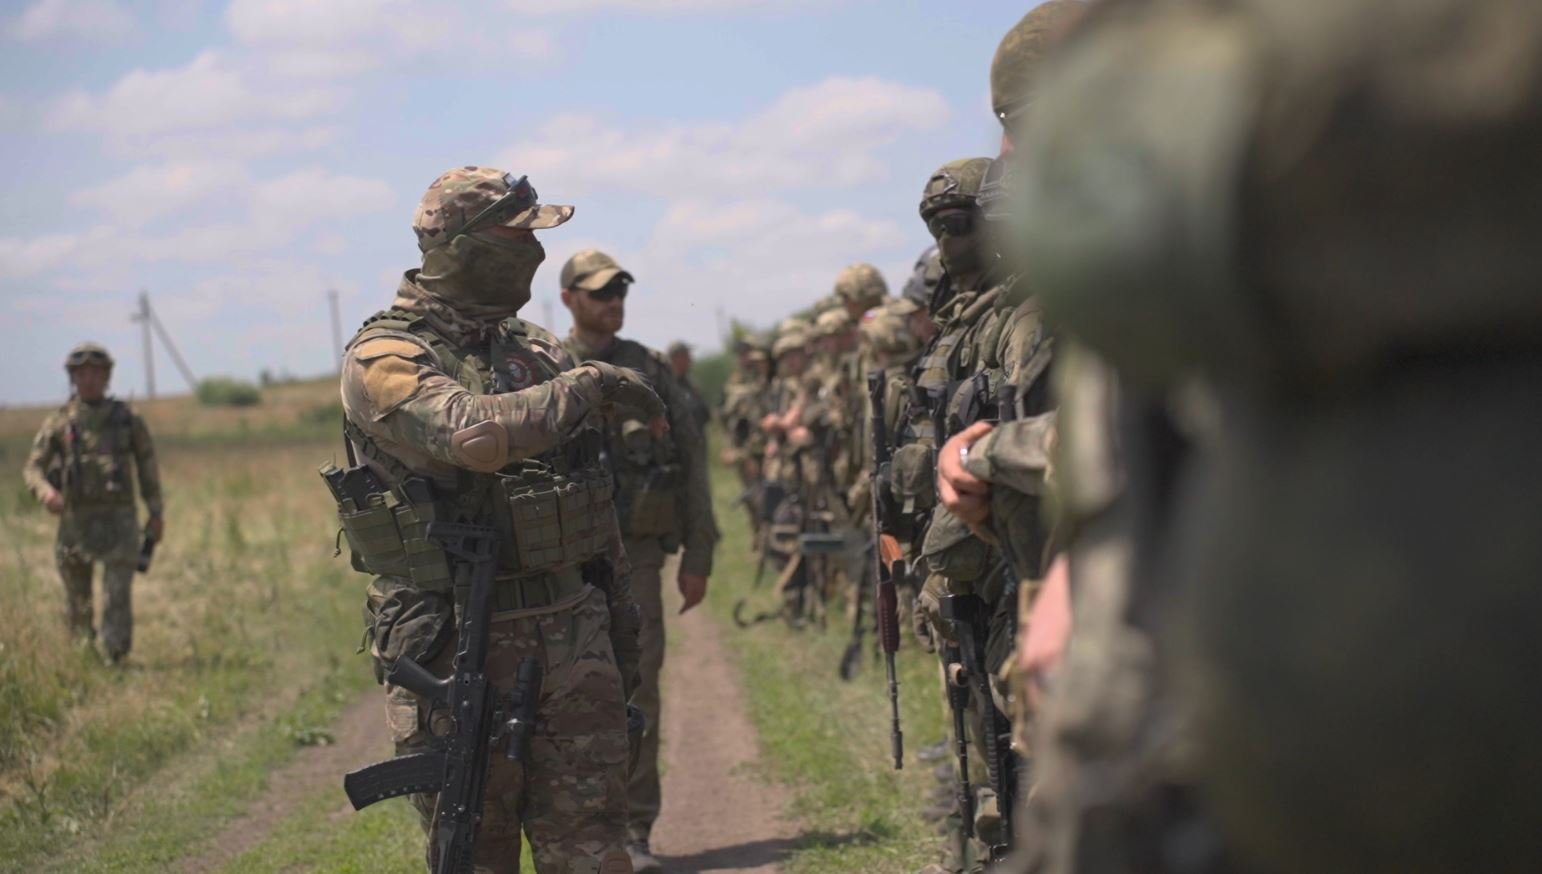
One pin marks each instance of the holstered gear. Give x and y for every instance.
(554, 509)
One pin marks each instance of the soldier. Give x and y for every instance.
(662, 498)
(680, 364)
(1297, 495)
(858, 288)
(745, 403)
(81, 468)
(462, 409)
(924, 278)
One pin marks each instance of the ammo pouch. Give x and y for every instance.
(654, 498)
(558, 520)
(387, 530)
(913, 478)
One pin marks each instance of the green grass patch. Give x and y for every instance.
(827, 738)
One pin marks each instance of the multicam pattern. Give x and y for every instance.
(462, 194)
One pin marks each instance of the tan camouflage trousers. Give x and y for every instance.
(109, 536)
(643, 794)
(569, 798)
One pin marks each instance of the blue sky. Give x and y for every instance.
(239, 158)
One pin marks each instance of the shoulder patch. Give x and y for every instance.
(380, 347)
(389, 380)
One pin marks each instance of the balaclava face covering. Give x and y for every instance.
(484, 277)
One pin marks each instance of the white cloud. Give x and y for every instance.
(146, 109)
(96, 20)
(817, 137)
(550, 7)
(152, 191)
(23, 257)
(347, 37)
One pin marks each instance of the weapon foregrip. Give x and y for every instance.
(408, 674)
(403, 775)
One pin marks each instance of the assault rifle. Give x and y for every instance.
(886, 555)
(457, 766)
(971, 625)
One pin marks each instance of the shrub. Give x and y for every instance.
(223, 391)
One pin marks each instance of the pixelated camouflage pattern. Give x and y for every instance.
(570, 795)
(461, 194)
(861, 282)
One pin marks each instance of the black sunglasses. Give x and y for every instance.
(952, 222)
(612, 290)
(521, 197)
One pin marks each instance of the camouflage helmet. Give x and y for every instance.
(792, 324)
(1014, 68)
(886, 330)
(471, 198)
(923, 280)
(832, 322)
(955, 185)
(88, 353)
(795, 340)
(861, 283)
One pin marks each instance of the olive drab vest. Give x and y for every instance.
(649, 476)
(95, 465)
(555, 508)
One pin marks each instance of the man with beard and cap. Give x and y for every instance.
(663, 500)
(460, 409)
(679, 355)
(81, 468)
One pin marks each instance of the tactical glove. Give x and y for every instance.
(625, 388)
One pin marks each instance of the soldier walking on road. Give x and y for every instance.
(82, 469)
(462, 409)
(663, 501)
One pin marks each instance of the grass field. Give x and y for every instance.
(244, 654)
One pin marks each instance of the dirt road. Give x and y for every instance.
(717, 816)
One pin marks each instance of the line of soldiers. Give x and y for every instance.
(1215, 468)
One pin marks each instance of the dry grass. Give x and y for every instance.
(244, 609)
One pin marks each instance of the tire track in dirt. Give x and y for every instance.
(358, 737)
(717, 816)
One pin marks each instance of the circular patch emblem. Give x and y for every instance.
(519, 371)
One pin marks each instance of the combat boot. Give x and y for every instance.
(643, 861)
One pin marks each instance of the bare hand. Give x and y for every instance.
(800, 436)
(964, 494)
(54, 503)
(693, 587)
(1049, 628)
(155, 527)
(769, 422)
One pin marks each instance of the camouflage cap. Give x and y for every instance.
(592, 270)
(88, 353)
(955, 185)
(1016, 64)
(861, 282)
(470, 198)
(831, 322)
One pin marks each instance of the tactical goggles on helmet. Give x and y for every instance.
(953, 222)
(612, 290)
(82, 357)
(521, 197)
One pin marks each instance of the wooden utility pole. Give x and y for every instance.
(337, 330)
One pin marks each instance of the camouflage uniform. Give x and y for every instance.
(746, 401)
(87, 452)
(701, 411)
(450, 391)
(859, 287)
(1300, 462)
(664, 503)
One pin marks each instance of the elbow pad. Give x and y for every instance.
(484, 447)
